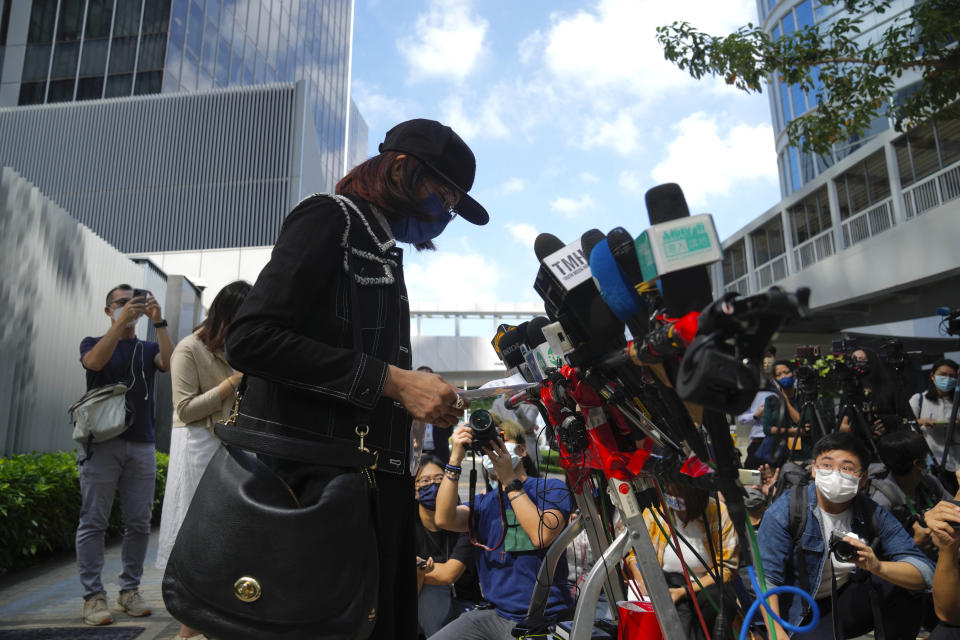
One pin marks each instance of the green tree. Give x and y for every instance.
(853, 79)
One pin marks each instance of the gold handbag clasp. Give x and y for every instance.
(247, 589)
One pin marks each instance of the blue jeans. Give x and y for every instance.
(131, 468)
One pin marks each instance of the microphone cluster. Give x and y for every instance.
(615, 401)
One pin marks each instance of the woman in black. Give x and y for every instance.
(294, 335)
(448, 577)
(882, 403)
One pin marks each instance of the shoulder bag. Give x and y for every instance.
(103, 413)
(251, 562)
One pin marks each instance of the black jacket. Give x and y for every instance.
(293, 336)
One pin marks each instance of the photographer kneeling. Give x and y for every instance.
(515, 524)
(804, 542)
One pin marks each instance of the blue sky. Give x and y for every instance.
(572, 114)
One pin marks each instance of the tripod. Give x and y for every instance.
(851, 401)
(807, 401)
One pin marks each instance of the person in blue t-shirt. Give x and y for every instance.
(535, 511)
(126, 463)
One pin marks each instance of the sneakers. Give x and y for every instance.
(131, 603)
(95, 611)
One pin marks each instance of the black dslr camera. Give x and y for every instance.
(841, 549)
(484, 430)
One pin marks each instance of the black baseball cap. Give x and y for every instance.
(445, 153)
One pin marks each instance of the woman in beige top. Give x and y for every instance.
(203, 392)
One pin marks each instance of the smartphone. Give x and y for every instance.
(421, 564)
(141, 293)
(749, 476)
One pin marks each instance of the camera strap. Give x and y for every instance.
(834, 613)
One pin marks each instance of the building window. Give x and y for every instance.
(70, 24)
(99, 16)
(767, 242)
(810, 217)
(42, 15)
(863, 185)
(119, 85)
(93, 60)
(927, 149)
(156, 16)
(152, 52)
(734, 262)
(90, 88)
(126, 21)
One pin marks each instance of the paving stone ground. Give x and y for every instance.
(49, 595)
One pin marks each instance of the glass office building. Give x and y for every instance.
(876, 205)
(71, 50)
(783, 17)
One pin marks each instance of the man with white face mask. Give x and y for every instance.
(126, 463)
(858, 587)
(535, 512)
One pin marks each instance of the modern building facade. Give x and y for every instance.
(873, 228)
(154, 57)
(783, 17)
(212, 169)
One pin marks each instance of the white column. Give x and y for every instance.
(833, 199)
(896, 189)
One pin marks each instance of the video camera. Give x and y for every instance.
(951, 320)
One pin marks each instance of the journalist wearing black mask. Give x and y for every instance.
(294, 335)
(884, 405)
(447, 574)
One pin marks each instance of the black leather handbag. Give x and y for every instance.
(252, 563)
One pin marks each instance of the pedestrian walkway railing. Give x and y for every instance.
(868, 223)
(941, 187)
(813, 250)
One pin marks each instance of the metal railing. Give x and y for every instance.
(932, 192)
(867, 223)
(741, 285)
(814, 250)
(770, 272)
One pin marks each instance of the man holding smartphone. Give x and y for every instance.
(126, 463)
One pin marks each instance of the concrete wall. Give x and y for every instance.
(55, 277)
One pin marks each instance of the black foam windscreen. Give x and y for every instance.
(685, 290)
(666, 202)
(535, 331)
(510, 351)
(589, 240)
(546, 244)
(625, 254)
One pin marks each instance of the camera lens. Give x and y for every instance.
(483, 429)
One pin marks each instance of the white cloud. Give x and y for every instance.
(484, 120)
(707, 162)
(440, 277)
(572, 206)
(447, 43)
(530, 46)
(523, 233)
(630, 182)
(613, 44)
(373, 104)
(513, 185)
(589, 178)
(619, 134)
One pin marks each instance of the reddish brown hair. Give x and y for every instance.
(372, 181)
